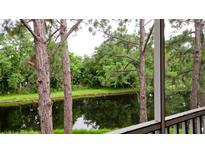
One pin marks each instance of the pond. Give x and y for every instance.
(109, 112)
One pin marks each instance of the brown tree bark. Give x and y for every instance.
(42, 65)
(43, 77)
(143, 98)
(66, 81)
(196, 66)
(202, 99)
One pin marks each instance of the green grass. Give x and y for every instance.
(61, 131)
(76, 131)
(180, 130)
(19, 99)
(171, 131)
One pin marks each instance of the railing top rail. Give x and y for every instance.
(142, 128)
(184, 116)
(154, 125)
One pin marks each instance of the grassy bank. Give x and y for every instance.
(76, 131)
(19, 99)
(61, 131)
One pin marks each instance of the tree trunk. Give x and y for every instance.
(66, 82)
(143, 99)
(202, 99)
(196, 66)
(43, 78)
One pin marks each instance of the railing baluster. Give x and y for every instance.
(187, 127)
(157, 132)
(201, 125)
(167, 130)
(191, 126)
(203, 120)
(184, 128)
(176, 129)
(198, 125)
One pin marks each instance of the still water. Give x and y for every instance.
(89, 113)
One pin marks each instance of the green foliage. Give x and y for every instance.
(14, 53)
(179, 51)
(16, 75)
(61, 131)
(114, 64)
(89, 73)
(76, 67)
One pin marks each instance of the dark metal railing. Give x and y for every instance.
(188, 122)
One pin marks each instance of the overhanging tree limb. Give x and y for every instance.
(121, 56)
(50, 37)
(59, 23)
(53, 33)
(123, 40)
(148, 37)
(125, 71)
(74, 27)
(148, 22)
(131, 62)
(29, 28)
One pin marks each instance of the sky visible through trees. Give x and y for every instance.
(89, 42)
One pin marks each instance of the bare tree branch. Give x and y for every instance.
(131, 62)
(125, 56)
(50, 37)
(54, 32)
(123, 40)
(59, 23)
(125, 71)
(148, 37)
(29, 28)
(121, 56)
(74, 27)
(148, 22)
(57, 37)
(29, 21)
(31, 63)
(184, 73)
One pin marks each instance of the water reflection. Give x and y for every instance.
(90, 113)
(103, 112)
(81, 123)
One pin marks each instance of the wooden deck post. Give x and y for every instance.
(159, 73)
